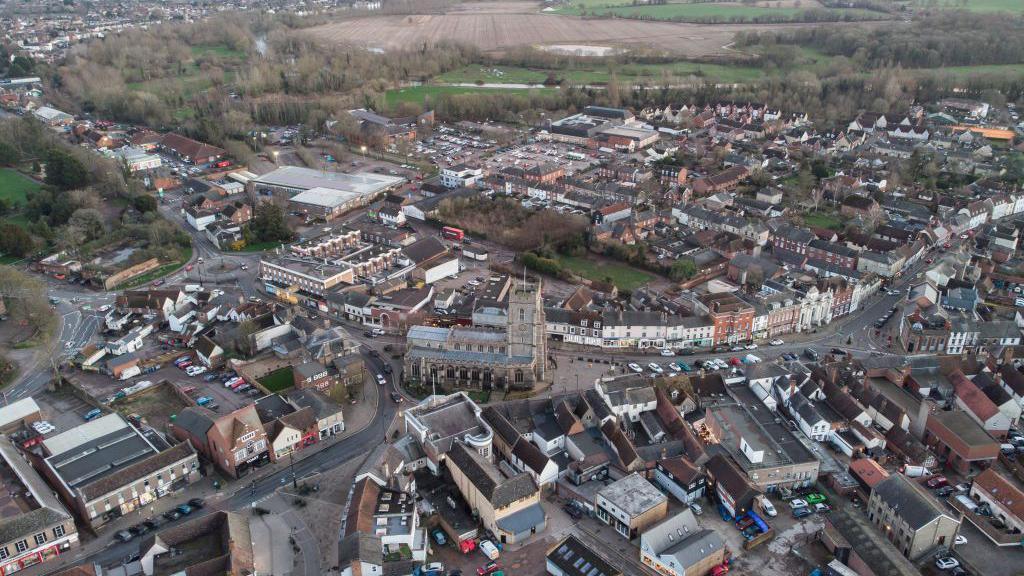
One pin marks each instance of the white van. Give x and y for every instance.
(489, 549)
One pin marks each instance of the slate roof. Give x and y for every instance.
(530, 455)
(134, 472)
(912, 503)
(499, 491)
(574, 558)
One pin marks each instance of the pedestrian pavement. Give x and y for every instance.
(214, 489)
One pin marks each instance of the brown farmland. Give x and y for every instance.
(495, 31)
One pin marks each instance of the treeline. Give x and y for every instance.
(809, 16)
(945, 39)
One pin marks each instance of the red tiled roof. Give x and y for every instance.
(1001, 490)
(973, 399)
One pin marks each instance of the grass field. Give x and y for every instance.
(221, 51)
(974, 5)
(278, 380)
(416, 94)
(14, 187)
(820, 220)
(623, 276)
(637, 73)
(1005, 70)
(732, 12)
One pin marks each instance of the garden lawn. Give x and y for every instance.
(623, 276)
(159, 272)
(15, 187)
(278, 380)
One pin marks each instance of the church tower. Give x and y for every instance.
(526, 337)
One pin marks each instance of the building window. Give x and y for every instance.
(4, 554)
(21, 546)
(58, 531)
(522, 315)
(40, 538)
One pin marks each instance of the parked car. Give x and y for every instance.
(667, 352)
(196, 503)
(937, 482)
(821, 508)
(655, 368)
(945, 491)
(123, 536)
(801, 512)
(946, 563)
(635, 367)
(438, 535)
(797, 503)
(488, 569)
(572, 511)
(960, 539)
(92, 414)
(172, 514)
(777, 342)
(185, 509)
(815, 498)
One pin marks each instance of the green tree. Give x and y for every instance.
(8, 154)
(144, 203)
(682, 270)
(14, 241)
(268, 224)
(65, 171)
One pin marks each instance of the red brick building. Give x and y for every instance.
(733, 318)
(959, 441)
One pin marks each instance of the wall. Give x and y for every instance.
(132, 271)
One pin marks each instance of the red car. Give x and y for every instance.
(937, 482)
(734, 361)
(489, 568)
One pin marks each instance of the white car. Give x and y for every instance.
(655, 368)
(195, 370)
(768, 507)
(751, 346)
(777, 342)
(104, 308)
(378, 332)
(381, 380)
(667, 352)
(797, 503)
(635, 367)
(947, 563)
(960, 540)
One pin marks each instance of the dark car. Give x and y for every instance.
(572, 511)
(368, 334)
(945, 491)
(838, 352)
(150, 524)
(139, 529)
(172, 514)
(123, 536)
(397, 397)
(387, 368)
(184, 509)
(196, 503)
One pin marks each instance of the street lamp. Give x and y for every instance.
(362, 149)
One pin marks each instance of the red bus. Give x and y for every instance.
(450, 233)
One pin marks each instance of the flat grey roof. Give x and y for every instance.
(99, 455)
(299, 178)
(633, 494)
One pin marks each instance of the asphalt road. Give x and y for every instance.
(245, 493)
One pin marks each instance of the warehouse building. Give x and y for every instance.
(320, 194)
